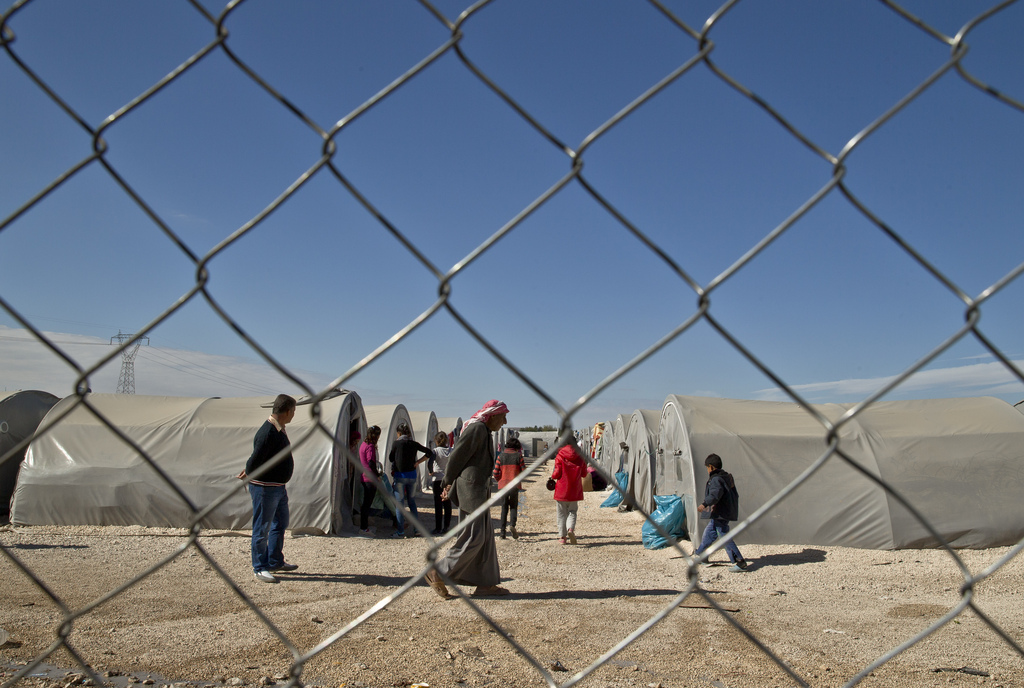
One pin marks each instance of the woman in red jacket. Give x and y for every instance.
(569, 471)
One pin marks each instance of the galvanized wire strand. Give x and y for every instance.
(641, 357)
(778, 231)
(657, 250)
(907, 644)
(918, 365)
(509, 365)
(443, 288)
(914, 254)
(833, 452)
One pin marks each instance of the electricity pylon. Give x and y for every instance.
(126, 381)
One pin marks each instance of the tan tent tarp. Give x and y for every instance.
(960, 462)
(642, 439)
(81, 473)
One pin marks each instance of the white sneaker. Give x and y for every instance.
(266, 577)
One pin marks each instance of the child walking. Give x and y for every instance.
(436, 464)
(721, 505)
(570, 468)
(508, 465)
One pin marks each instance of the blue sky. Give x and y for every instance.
(834, 307)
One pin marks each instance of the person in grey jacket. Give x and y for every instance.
(473, 559)
(721, 504)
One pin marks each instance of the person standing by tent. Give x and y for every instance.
(568, 474)
(473, 559)
(268, 492)
(436, 465)
(507, 466)
(370, 475)
(721, 504)
(402, 458)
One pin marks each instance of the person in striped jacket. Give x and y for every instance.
(507, 466)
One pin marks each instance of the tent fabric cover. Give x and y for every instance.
(618, 456)
(20, 415)
(642, 438)
(424, 427)
(81, 473)
(960, 462)
(387, 417)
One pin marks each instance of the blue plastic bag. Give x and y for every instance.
(615, 498)
(670, 514)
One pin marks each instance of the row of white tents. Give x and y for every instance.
(172, 461)
(958, 462)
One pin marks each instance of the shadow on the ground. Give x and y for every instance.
(589, 594)
(27, 545)
(808, 555)
(369, 580)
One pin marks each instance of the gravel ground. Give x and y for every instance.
(827, 612)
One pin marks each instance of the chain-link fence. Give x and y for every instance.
(701, 60)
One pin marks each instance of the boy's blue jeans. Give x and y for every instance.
(717, 528)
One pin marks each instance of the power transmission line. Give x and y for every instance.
(126, 381)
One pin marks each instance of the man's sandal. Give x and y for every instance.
(490, 591)
(434, 581)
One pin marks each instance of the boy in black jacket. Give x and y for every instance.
(721, 504)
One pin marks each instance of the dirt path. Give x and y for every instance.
(827, 612)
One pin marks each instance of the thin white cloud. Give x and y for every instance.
(979, 379)
(29, 364)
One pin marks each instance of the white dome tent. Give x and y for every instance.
(599, 446)
(20, 415)
(452, 426)
(387, 417)
(642, 438)
(424, 427)
(959, 462)
(617, 455)
(81, 473)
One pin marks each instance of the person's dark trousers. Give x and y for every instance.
(509, 507)
(269, 522)
(442, 510)
(405, 485)
(369, 492)
(715, 529)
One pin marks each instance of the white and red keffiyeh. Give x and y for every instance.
(491, 408)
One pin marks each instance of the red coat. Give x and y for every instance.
(569, 471)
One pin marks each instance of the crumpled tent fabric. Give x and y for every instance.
(82, 473)
(960, 462)
(642, 438)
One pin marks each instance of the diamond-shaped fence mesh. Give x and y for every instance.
(326, 163)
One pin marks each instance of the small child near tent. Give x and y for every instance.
(721, 504)
(436, 464)
(568, 474)
(508, 465)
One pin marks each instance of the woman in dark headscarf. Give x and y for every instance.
(473, 559)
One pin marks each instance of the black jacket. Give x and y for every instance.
(403, 455)
(721, 497)
(265, 446)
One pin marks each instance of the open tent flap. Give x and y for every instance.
(20, 415)
(642, 438)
